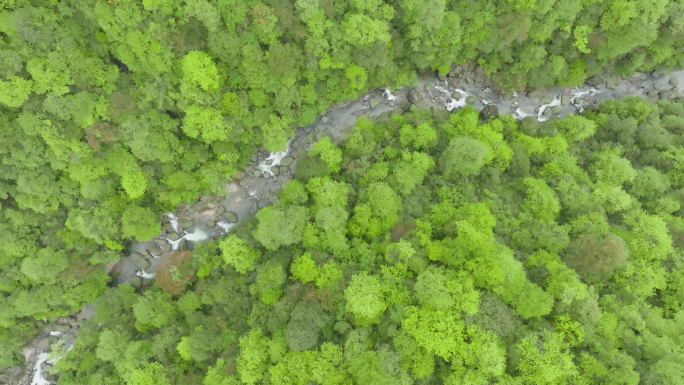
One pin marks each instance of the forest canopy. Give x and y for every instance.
(519, 264)
(113, 112)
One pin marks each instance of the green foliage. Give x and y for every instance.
(462, 157)
(365, 299)
(251, 364)
(280, 227)
(329, 152)
(239, 254)
(541, 200)
(139, 222)
(113, 112)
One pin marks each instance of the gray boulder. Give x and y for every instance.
(220, 210)
(373, 102)
(667, 94)
(154, 249)
(545, 100)
(556, 110)
(286, 161)
(257, 173)
(423, 104)
(172, 236)
(415, 95)
(140, 261)
(43, 344)
(471, 99)
(674, 82)
(456, 95)
(565, 100)
(481, 94)
(183, 245)
(135, 281)
(185, 223)
(199, 206)
(211, 223)
(427, 87)
(231, 217)
(488, 112)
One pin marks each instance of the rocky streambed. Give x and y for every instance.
(261, 181)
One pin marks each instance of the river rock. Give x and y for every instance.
(269, 162)
(471, 99)
(257, 173)
(415, 95)
(611, 83)
(172, 236)
(267, 175)
(674, 82)
(168, 227)
(658, 86)
(453, 82)
(220, 209)
(140, 261)
(545, 100)
(43, 344)
(239, 175)
(211, 223)
(556, 110)
(424, 104)
(667, 94)
(441, 77)
(310, 138)
(548, 111)
(183, 244)
(373, 102)
(254, 158)
(154, 249)
(481, 94)
(231, 217)
(61, 328)
(657, 73)
(198, 206)
(578, 100)
(427, 87)
(535, 94)
(488, 112)
(162, 242)
(652, 94)
(185, 223)
(135, 281)
(456, 95)
(286, 161)
(324, 119)
(565, 100)
(275, 170)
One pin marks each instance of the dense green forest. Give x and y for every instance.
(432, 248)
(113, 112)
